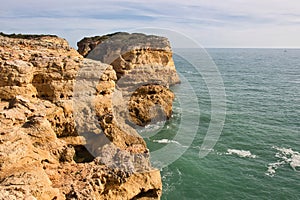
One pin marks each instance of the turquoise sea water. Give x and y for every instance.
(256, 156)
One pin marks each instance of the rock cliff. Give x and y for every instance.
(145, 70)
(49, 97)
(129, 53)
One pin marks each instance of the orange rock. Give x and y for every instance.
(41, 154)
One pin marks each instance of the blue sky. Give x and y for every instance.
(214, 23)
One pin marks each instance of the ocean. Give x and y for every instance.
(256, 155)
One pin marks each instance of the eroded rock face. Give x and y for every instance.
(151, 103)
(42, 154)
(87, 44)
(129, 53)
(145, 70)
(41, 66)
(105, 128)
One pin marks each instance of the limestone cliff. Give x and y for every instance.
(43, 153)
(128, 53)
(145, 70)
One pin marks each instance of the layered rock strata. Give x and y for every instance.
(136, 52)
(43, 134)
(145, 70)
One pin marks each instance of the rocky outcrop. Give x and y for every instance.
(35, 163)
(87, 44)
(41, 66)
(105, 127)
(145, 70)
(47, 151)
(151, 104)
(133, 53)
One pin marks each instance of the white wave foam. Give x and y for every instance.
(190, 72)
(154, 127)
(240, 153)
(286, 156)
(272, 167)
(295, 161)
(172, 179)
(166, 141)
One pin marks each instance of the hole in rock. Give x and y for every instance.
(82, 155)
(103, 92)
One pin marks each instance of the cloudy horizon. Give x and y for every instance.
(231, 23)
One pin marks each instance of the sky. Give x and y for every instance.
(211, 23)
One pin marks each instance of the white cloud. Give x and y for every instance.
(273, 23)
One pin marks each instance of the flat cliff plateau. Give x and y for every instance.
(50, 94)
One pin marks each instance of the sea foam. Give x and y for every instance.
(286, 156)
(240, 153)
(166, 141)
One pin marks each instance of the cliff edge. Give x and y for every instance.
(47, 150)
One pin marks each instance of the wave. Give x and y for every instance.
(286, 156)
(240, 153)
(166, 141)
(190, 72)
(172, 179)
(155, 127)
